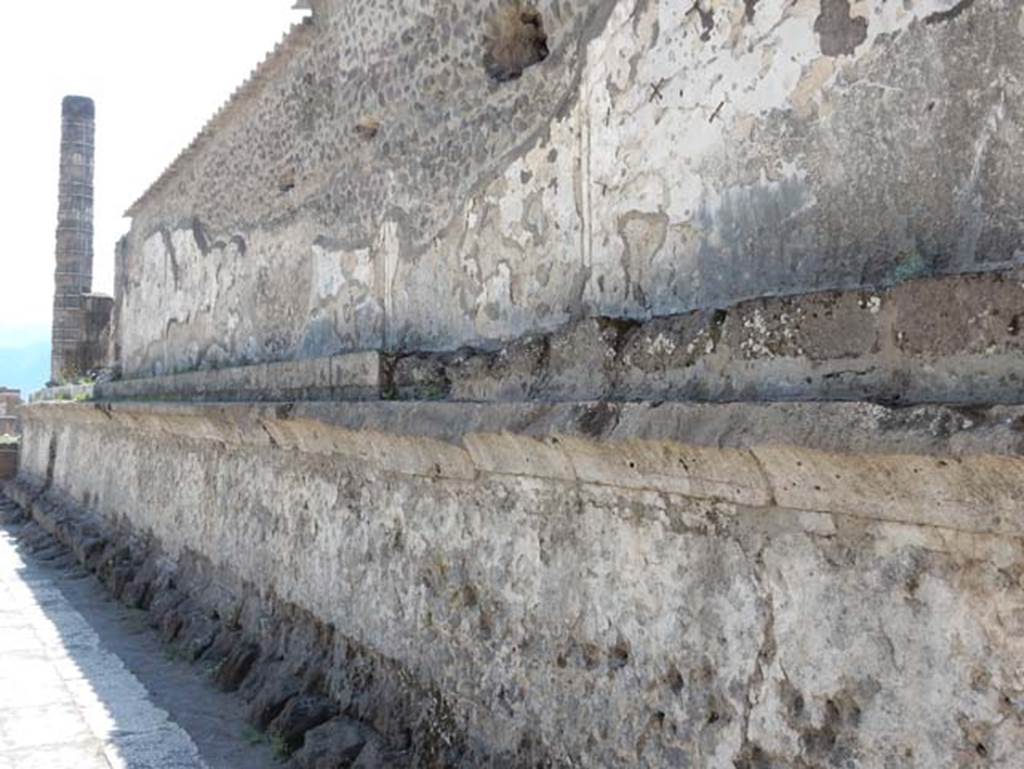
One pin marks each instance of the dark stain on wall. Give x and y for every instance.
(707, 20)
(199, 233)
(942, 16)
(840, 33)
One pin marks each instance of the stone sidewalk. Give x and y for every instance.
(65, 701)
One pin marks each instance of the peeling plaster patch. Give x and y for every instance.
(497, 293)
(534, 219)
(643, 235)
(328, 277)
(744, 127)
(944, 16)
(809, 88)
(343, 310)
(638, 136)
(840, 33)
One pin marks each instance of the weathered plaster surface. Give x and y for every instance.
(951, 339)
(664, 157)
(650, 590)
(785, 148)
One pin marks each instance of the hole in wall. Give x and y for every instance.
(618, 656)
(515, 39)
(367, 128)
(286, 181)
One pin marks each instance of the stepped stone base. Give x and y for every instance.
(941, 340)
(586, 584)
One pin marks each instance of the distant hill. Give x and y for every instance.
(25, 368)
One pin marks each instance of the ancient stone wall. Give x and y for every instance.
(579, 584)
(954, 339)
(374, 187)
(506, 409)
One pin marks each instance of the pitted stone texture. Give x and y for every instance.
(952, 339)
(341, 377)
(644, 586)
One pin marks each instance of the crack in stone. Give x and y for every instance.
(765, 654)
(765, 477)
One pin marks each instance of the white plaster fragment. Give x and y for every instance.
(661, 345)
(328, 277)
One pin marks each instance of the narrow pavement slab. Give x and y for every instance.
(69, 701)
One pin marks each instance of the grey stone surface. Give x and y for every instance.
(662, 158)
(955, 339)
(342, 377)
(599, 584)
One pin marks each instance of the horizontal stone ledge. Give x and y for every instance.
(828, 346)
(936, 466)
(76, 392)
(348, 376)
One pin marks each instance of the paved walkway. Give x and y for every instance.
(65, 701)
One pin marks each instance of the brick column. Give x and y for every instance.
(73, 277)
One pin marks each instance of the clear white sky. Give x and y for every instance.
(157, 69)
